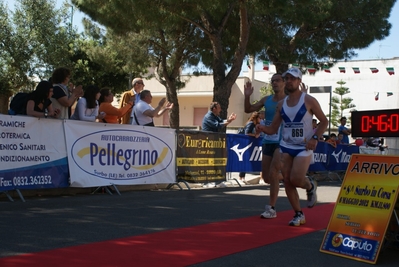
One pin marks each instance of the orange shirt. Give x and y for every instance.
(332, 142)
(113, 113)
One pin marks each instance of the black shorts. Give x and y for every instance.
(268, 149)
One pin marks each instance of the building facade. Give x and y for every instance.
(373, 85)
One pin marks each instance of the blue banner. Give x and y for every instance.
(328, 158)
(244, 153)
(32, 153)
(320, 157)
(47, 175)
(339, 158)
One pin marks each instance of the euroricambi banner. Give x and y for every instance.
(32, 153)
(102, 154)
(201, 156)
(363, 209)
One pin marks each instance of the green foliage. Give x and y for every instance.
(307, 32)
(34, 39)
(37, 38)
(156, 37)
(340, 103)
(264, 91)
(316, 31)
(47, 34)
(169, 35)
(100, 59)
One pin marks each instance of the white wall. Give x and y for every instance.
(363, 86)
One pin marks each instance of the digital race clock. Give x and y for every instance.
(375, 123)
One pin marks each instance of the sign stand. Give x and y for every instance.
(392, 235)
(10, 197)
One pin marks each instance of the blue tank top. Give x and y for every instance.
(270, 110)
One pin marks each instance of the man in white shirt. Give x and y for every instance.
(143, 113)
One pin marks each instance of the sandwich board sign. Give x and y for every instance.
(364, 209)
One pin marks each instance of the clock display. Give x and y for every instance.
(375, 123)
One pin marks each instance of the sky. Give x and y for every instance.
(386, 48)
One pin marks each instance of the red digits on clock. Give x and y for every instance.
(383, 125)
(375, 120)
(372, 123)
(394, 122)
(365, 124)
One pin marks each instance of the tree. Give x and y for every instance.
(37, 38)
(99, 59)
(47, 34)
(340, 103)
(169, 42)
(265, 91)
(33, 40)
(314, 32)
(192, 31)
(307, 32)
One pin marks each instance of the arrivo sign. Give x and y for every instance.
(375, 123)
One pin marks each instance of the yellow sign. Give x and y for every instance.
(201, 162)
(363, 209)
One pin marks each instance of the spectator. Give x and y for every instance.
(261, 116)
(332, 139)
(365, 139)
(87, 107)
(143, 113)
(64, 96)
(131, 96)
(262, 121)
(376, 142)
(212, 122)
(314, 125)
(250, 129)
(339, 139)
(113, 114)
(39, 104)
(345, 131)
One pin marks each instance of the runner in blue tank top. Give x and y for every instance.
(298, 141)
(271, 161)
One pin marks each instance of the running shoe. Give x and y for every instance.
(269, 213)
(312, 195)
(297, 220)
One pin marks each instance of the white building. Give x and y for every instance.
(364, 86)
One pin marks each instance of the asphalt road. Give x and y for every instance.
(48, 222)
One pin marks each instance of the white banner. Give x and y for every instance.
(102, 154)
(32, 153)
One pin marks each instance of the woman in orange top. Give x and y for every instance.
(113, 113)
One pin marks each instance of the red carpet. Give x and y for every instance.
(180, 247)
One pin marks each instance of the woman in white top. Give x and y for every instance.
(87, 106)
